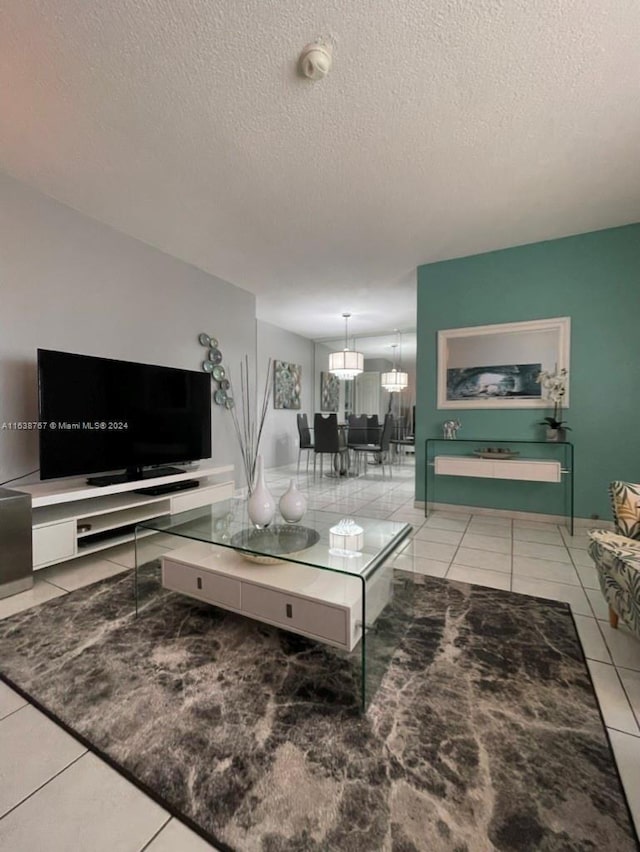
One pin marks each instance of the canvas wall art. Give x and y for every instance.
(329, 392)
(504, 381)
(287, 385)
(496, 366)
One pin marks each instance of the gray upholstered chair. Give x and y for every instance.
(617, 556)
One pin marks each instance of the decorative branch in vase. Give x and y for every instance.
(554, 385)
(248, 419)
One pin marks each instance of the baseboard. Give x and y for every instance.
(586, 523)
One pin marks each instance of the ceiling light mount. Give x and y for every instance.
(346, 364)
(315, 60)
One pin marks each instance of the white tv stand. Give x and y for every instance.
(60, 507)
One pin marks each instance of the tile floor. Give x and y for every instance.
(56, 796)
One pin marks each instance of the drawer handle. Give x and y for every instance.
(199, 582)
(289, 610)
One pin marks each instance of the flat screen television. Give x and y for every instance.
(99, 414)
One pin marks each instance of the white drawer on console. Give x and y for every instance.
(462, 466)
(54, 543)
(294, 613)
(532, 470)
(204, 585)
(201, 497)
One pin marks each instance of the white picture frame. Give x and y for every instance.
(508, 347)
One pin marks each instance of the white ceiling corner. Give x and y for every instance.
(443, 129)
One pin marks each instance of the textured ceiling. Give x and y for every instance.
(446, 127)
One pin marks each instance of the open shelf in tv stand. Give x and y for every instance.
(59, 507)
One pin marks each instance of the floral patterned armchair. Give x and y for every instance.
(617, 556)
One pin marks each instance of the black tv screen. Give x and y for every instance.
(99, 414)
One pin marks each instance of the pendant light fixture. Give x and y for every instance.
(346, 364)
(396, 380)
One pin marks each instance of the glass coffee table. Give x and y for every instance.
(328, 578)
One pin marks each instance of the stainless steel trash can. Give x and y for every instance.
(16, 558)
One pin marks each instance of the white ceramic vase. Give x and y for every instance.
(261, 505)
(293, 504)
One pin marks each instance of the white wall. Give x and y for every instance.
(280, 437)
(70, 283)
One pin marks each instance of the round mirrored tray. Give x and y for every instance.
(275, 542)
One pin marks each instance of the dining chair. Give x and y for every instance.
(357, 430)
(380, 447)
(304, 436)
(373, 429)
(326, 438)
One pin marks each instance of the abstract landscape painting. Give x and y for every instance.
(506, 381)
(287, 385)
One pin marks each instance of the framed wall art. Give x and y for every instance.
(329, 391)
(287, 385)
(497, 366)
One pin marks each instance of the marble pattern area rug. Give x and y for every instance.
(485, 733)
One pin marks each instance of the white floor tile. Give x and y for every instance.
(591, 638)
(10, 701)
(25, 764)
(631, 683)
(588, 577)
(41, 592)
(623, 645)
(442, 523)
(371, 511)
(541, 551)
(407, 517)
(176, 837)
(540, 536)
(433, 550)
(522, 524)
(544, 569)
(581, 557)
(427, 533)
(627, 753)
(579, 541)
(479, 577)
(572, 595)
(487, 542)
(492, 520)
(495, 530)
(87, 807)
(598, 604)
(125, 555)
(614, 704)
(431, 567)
(485, 559)
(81, 572)
(452, 514)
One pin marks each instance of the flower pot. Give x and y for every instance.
(556, 434)
(261, 506)
(293, 504)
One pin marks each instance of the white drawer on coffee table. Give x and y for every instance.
(295, 613)
(201, 584)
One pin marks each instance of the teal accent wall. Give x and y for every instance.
(594, 279)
